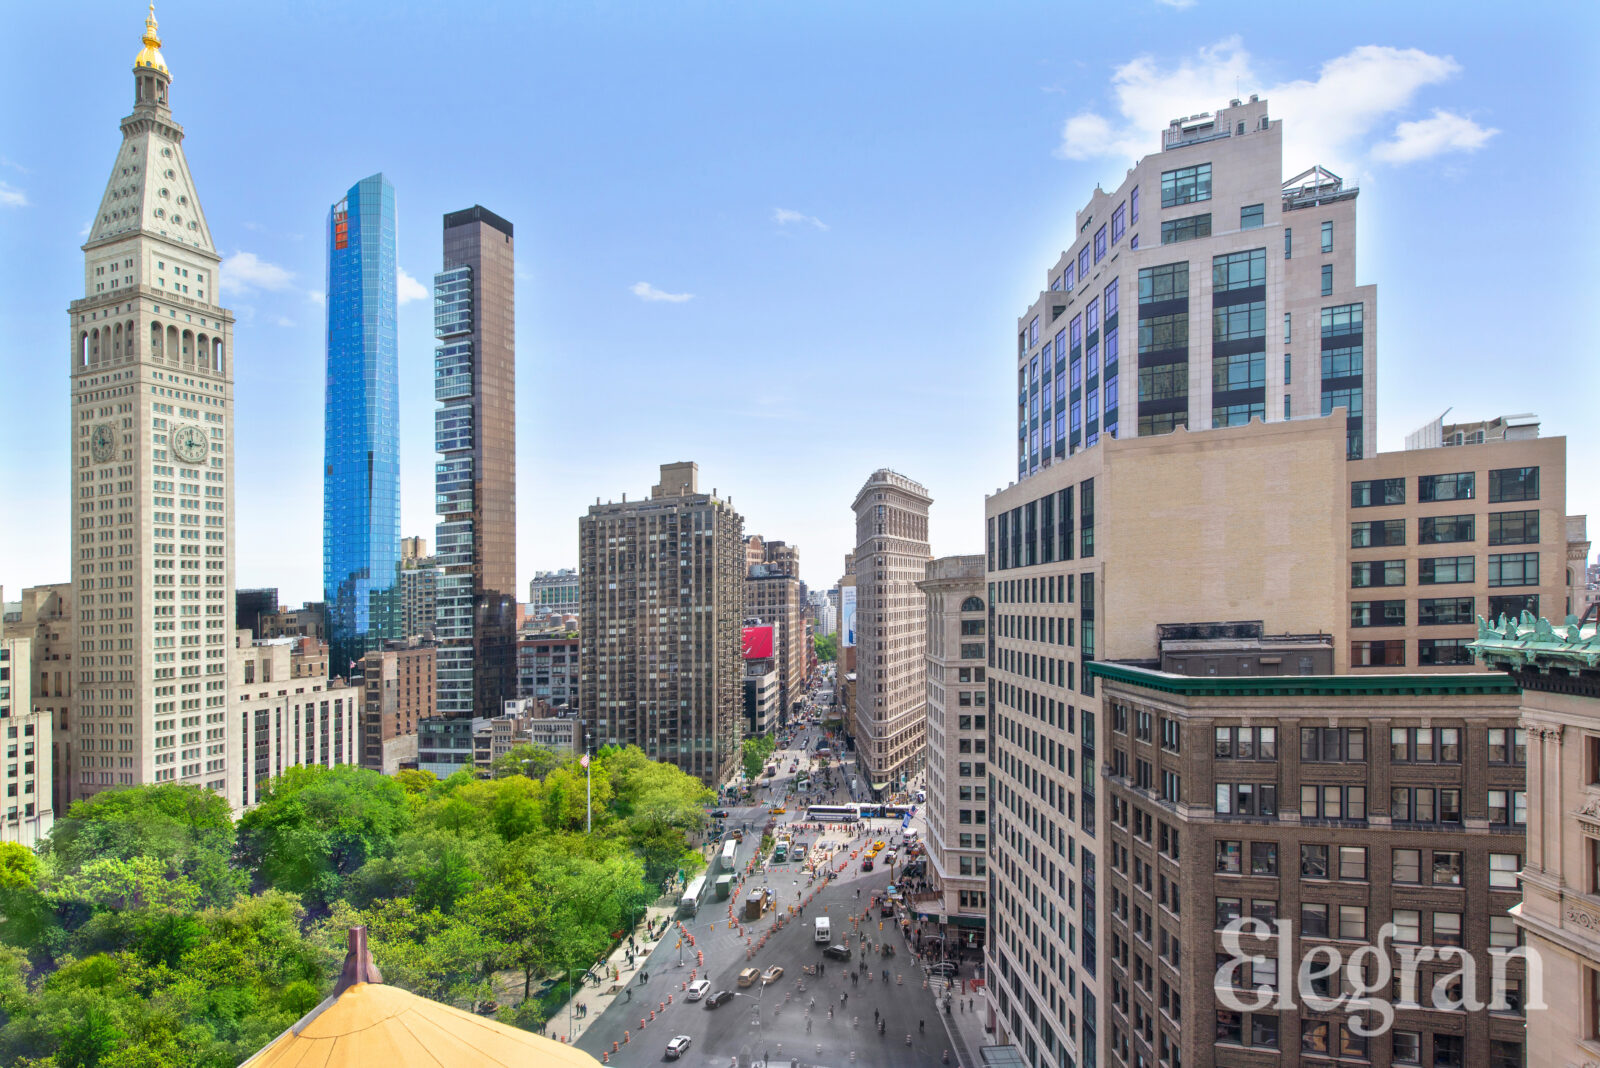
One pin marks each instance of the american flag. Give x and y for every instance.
(585, 760)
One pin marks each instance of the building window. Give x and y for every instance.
(1508, 807)
(1514, 484)
(1377, 613)
(1288, 243)
(1119, 223)
(1514, 605)
(1133, 204)
(1246, 799)
(1186, 185)
(1445, 528)
(1239, 270)
(1378, 573)
(1100, 244)
(1327, 237)
(1188, 228)
(1378, 491)
(1416, 745)
(1378, 654)
(1237, 414)
(1438, 652)
(1333, 745)
(1455, 487)
(1263, 858)
(1238, 743)
(1377, 533)
(1442, 570)
(1514, 528)
(1252, 217)
(1509, 745)
(1333, 802)
(1230, 857)
(1440, 611)
(1513, 569)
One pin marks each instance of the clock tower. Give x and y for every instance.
(151, 364)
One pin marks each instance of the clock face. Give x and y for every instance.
(103, 442)
(189, 442)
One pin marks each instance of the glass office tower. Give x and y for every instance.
(361, 472)
(475, 476)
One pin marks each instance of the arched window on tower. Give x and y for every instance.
(188, 346)
(130, 335)
(216, 354)
(972, 604)
(83, 349)
(116, 341)
(155, 340)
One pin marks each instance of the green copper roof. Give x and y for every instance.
(1304, 685)
(1534, 642)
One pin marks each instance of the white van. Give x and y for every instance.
(824, 932)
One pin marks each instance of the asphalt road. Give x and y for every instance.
(771, 1023)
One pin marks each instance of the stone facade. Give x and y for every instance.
(772, 594)
(45, 618)
(958, 736)
(28, 812)
(401, 688)
(891, 557)
(663, 599)
(150, 357)
(287, 712)
(1558, 669)
(1336, 803)
(1244, 523)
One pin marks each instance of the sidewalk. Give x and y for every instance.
(966, 1027)
(598, 1000)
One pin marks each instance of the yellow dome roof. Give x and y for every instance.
(150, 55)
(365, 1023)
(374, 1024)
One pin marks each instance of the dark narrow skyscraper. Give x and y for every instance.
(475, 383)
(361, 472)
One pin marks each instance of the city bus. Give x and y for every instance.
(730, 854)
(692, 897)
(833, 813)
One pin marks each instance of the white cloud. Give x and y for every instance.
(282, 321)
(1178, 4)
(12, 197)
(409, 289)
(784, 216)
(245, 272)
(316, 296)
(1326, 120)
(646, 291)
(1444, 132)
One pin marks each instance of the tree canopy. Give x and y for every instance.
(151, 929)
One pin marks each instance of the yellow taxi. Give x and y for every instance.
(877, 847)
(777, 810)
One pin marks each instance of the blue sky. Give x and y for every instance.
(852, 204)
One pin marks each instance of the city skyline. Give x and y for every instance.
(695, 277)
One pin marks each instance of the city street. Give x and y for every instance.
(819, 1019)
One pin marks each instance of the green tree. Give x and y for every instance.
(826, 645)
(756, 752)
(188, 829)
(534, 761)
(316, 826)
(24, 913)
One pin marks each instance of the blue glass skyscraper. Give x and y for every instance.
(361, 472)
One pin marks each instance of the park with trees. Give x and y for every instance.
(152, 928)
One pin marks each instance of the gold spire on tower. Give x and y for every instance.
(150, 55)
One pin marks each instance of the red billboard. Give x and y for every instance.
(758, 643)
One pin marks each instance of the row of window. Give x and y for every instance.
(1338, 745)
(1505, 484)
(1407, 804)
(1505, 528)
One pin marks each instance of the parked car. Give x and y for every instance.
(837, 952)
(719, 998)
(699, 989)
(772, 975)
(678, 1047)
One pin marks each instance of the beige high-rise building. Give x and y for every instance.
(45, 618)
(1217, 258)
(26, 812)
(958, 736)
(1558, 668)
(287, 712)
(151, 366)
(772, 594)
(1387, 560)
(401, 690)
(662, 585)
(891, 557)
